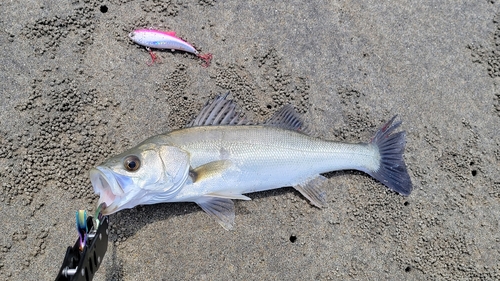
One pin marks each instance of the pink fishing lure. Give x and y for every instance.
(157, 39)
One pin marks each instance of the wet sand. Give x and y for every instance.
(75, 90)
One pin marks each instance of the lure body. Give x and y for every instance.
(157, 39)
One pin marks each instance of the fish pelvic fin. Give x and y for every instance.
(221, 209)
(392, 170)
(311, 190)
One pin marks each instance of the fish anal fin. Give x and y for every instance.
(220, 111)
(209, 170)
(221, 209)
(311, 190)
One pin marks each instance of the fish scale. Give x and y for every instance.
(269, 146)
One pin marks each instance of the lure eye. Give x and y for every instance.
(132, 163)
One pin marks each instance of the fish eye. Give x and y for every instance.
(132, 163)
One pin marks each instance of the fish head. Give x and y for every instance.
(146, 174)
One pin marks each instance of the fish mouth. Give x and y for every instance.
(107, 187)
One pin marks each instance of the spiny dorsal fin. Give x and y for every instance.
(219, 111)
(287, 118)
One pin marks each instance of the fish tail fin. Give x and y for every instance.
(392, 170)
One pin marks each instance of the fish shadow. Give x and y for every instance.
(117, 272)
(127, 223)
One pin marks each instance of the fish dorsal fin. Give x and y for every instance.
(220, 111)
(287, 118)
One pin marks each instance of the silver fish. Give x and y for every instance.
(220, 156)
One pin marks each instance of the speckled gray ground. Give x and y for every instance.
(75, 90)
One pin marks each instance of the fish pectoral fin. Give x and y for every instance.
(228, 195)
(209, 170)
(221, 209)
(310, 189)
